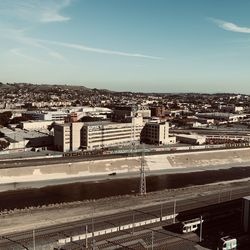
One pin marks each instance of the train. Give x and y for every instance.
(107, 151)
(227, 243)
(190, 225)
(187, 221)
(88, 235)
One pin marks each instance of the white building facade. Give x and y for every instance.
(96, 135)
(157, 132)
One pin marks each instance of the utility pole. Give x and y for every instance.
(133, 224)
(93, 236)
(143, 190)
(161, 210)
(174, 211)
(34, 240)
(69, 165)
(201, 230)
(93, 229)
(86, 236)
(219, 198)
(152, 240)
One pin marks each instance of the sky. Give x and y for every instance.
(128, 45)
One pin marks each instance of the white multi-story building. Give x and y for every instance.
(37, 125)
(61, 114)
(227, 117)
(46, 115)
(157, 132)
(62, 137)
(95, 135)
(122, 113)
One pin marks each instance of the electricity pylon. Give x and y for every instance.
(142, 173)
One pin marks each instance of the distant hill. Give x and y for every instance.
(41, 87)
(54, 88)
(13, 87)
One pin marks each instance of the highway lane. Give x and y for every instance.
(55, 232)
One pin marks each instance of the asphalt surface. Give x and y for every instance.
(50, 235)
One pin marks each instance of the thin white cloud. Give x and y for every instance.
(44, 11)
(101, 51)
(20, 37)
(57, 55)
(231, 26)
(49, 16)
(53, 14)
(19, 52)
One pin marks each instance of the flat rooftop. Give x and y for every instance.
(20, 135)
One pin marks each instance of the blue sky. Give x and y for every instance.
(135, 45)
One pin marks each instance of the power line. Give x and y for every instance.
(14, 241)
(118, 244)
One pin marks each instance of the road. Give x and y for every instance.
(47, 237)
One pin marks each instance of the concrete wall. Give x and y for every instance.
(125, 165)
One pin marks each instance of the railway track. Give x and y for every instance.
(55, 232)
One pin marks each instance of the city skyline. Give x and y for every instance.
(154, 46)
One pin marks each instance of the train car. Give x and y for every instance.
(190, 225)
(227, 243)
